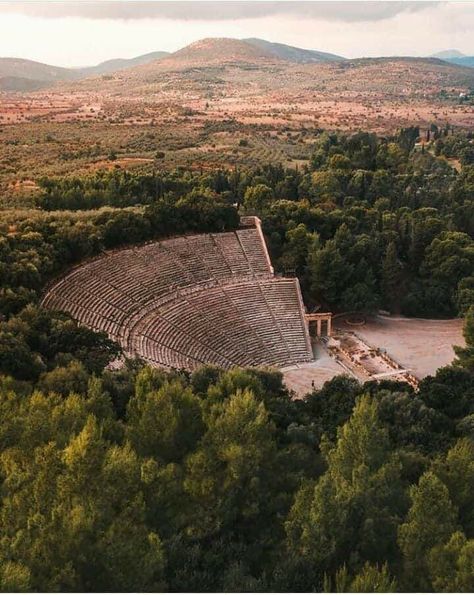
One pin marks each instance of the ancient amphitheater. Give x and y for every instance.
(183, 302)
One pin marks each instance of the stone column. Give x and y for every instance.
(329, 326)
(318, 323)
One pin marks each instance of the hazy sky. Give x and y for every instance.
(84, 32)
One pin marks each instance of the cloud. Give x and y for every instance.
(197, 10)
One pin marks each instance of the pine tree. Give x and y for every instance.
(392, 278)
(451, 565)
(229, 476)
(431, 521)
(465, 355)
(373, 579)
(353, 509)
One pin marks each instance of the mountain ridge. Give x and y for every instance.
(22, 67)
(22, 74)
(293, 53)
(254, 60)
(448, 54)
(455, 57)
(219, 49)
(116, 64)
(464, 61)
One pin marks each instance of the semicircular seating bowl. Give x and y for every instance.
(187, 301)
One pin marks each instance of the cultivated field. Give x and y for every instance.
(197, 105)
(62, 141)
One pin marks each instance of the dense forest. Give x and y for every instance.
(371, 222)
(136, 479)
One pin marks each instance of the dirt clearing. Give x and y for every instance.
(417, 344)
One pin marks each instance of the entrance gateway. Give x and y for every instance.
(319, 318)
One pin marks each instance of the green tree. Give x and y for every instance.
(353, 510)
(392, 278)
(65, 380)
(465, 294)
(329, 274)
(373, 579)
(299, 241)
(363, 295)
(258, 198)
(430, 522)
(14, 578)
(451, 565)
(465, 355)
(456, 471)
(339, 162)
(165, 423)
(448, 259)
(230, 476)
(76, 520)
(327, 186)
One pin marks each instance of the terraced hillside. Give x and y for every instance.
(187, 301)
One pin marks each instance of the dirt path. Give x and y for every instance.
(299, 378)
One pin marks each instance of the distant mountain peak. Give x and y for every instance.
(213, 50)
(219, 49)
(447, 54)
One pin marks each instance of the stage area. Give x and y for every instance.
(417, 344)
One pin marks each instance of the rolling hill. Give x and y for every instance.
(28, 75)
(19, 84)
(463, 61)
(17, 74)
(117, 64)
(212, 64)
(29, 69)
(455, 57)
(293, 54)
(228, 79)
(221, 51)
(213, 68)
